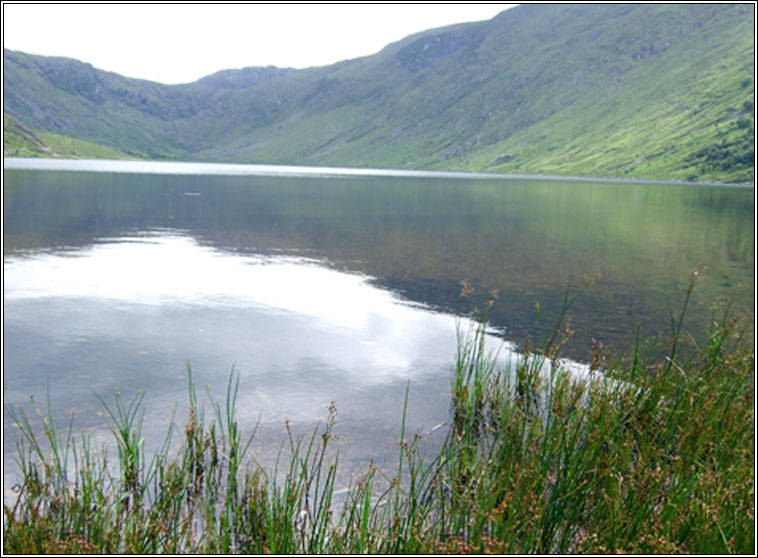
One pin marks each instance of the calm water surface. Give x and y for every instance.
(321, 285)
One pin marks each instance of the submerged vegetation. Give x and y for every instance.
(648, 452)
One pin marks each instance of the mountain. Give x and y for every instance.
(621, 90)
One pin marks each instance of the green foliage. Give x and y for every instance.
(649, 453)
(743, 123)
(736, 155)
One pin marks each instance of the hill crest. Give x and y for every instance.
(644, 91)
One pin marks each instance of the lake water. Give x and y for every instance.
(331, 285)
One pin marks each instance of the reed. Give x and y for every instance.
(652, 452)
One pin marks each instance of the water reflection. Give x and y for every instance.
(234, 305)
(301, 285)
(126, 313)
(421, 236)
(168, 268)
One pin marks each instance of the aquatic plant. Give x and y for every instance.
(651, 452)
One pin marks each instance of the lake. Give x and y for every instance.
(332, 285)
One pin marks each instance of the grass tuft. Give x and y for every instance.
(649, 453)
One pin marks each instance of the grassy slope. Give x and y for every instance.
(20, 141)
(670, 110)
(646, 91)
(70, 98)
(627, 99)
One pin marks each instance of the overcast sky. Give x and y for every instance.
(179, 43)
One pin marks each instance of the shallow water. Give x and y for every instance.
(329, 285)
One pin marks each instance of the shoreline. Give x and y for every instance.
(146, 166)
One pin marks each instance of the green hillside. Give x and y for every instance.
(643, 91)
(20, 141)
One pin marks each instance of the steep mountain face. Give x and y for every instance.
(136, 116)
(653, 91)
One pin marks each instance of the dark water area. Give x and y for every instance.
(317, 287)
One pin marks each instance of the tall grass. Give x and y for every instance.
(652, 452)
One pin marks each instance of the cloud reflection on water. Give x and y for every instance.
(304, 331)
(126, 313)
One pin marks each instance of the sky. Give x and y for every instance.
(179, 43)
